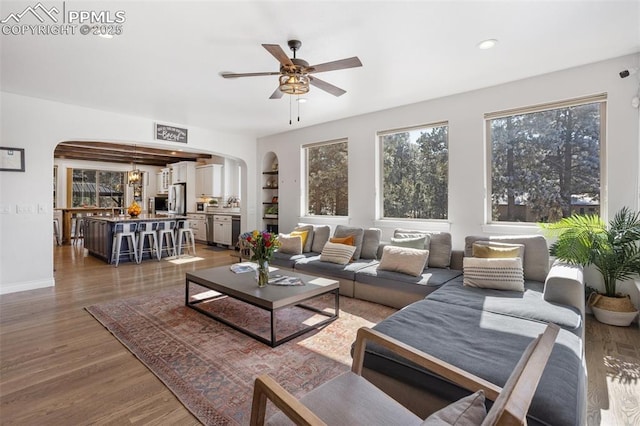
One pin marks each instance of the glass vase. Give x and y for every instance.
(262, 273)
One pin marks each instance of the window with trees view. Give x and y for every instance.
(415, 168)
(545, 161)
(327, 179)
(97, 188)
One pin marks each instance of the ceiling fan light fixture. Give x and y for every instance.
(294, 84)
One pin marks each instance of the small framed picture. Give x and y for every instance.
(274, 199)
(11, 159)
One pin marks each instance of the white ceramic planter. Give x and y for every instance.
(621, 319)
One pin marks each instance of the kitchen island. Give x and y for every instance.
(99, 230)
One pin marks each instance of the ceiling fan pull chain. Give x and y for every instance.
(289, 110)
(298, 102)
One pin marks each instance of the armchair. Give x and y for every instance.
(351, 399)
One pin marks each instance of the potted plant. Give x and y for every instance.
(614, 251)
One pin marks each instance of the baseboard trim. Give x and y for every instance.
(26, 285)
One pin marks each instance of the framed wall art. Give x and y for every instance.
(11, 159)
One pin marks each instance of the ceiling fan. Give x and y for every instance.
(295, 74)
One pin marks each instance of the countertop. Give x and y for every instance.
(139, 218)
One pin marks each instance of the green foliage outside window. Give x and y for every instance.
(415, 173)
(546, 165)
(328, 179)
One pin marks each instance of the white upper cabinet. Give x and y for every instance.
(210, 180)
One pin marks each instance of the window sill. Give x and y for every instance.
(415, 224)
(512, 229)
(325, 220)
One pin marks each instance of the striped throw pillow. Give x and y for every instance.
(500, 274)
(337, 253)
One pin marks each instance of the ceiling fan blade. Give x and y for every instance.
(247, 74)
(327, 87)
(278, 53)
(337, 65)
(277, 94)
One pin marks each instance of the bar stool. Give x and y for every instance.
(77, 227)
(185, 234)
(147, 231)
(165, 234)
(124, 230)
(56, 231)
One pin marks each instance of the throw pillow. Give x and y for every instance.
(305, 238)
(469, 410)
(405, 260)
(489, 249)
(337, 253)
(370, 243)
(308, 242)
(320, 237)
(412, 242)
(500, 274)
(350, 241)
(290, 244)
(439, 247)
(358, 236)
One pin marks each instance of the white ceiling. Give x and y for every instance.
(166, 64)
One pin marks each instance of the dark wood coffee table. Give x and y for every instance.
(243, 287)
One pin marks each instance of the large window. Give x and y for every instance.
(415, 168)
(545, 161)
(97, 188)
(327, 179)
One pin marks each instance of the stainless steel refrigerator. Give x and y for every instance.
(178, 198)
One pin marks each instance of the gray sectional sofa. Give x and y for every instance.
(481, 330)
(362, 279)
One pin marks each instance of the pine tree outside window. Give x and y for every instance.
(327, 179)
(415, 172)
(545, 161)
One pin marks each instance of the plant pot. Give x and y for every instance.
(617, 311)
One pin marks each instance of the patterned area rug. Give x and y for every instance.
(211, 367)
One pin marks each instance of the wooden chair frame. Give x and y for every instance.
(511, 402)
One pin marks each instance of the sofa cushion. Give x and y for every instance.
(337, 253)
(536, 253)
(358, 236)
(320, 237)
(287, 260)
(314, 265)
(485, 344)
(430, 277)
(421, 242)
(404, 260)
(497, 273)
(307, 241)
(529, 305)
(370, 243)
(290, 244)
(489, 249)
(467, 411)
(439, 246)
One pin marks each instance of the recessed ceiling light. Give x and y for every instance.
(106, 35)
(302, 100)
(487, 44)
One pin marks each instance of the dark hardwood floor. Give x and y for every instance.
(59, 366)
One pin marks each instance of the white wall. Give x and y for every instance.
(26, 257)
(465, 113)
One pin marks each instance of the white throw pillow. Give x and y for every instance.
(290, 244)
(405, 260)
(337, 253)
(500, 274)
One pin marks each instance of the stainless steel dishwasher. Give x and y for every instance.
(210, 229)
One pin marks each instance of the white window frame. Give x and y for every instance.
(304, 179)
(442, 225)
(506, 227)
